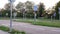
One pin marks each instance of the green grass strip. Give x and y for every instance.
(4, 28)
(53, 23)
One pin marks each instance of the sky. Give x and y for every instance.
(47, 3)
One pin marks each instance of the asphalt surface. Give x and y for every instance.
(31, 29)
(2, 32)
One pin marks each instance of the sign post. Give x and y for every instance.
(15, 14)
(23, 10)
(54, 15)
(11, 4)
(35, 8)
(51, 18)
(6, 14)
(59, 13)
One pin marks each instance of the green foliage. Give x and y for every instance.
(56, 9)
(19, 15)
(4, 13)
(4, 28)
(7, 10)
(42, 22)
(29, 15)
(41, 9)
(28, 11)
(28, 4)
(19, 5)
(7, 6)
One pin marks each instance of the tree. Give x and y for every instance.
(29, 6)
(7, 6)
(19, 5)
(7, 9)
(57, 10)
(29, 9)
(19, 8)
(3, 12)
(41, 9)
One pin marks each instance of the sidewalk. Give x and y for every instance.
(2, 32)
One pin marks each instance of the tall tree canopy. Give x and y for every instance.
(29, 6)
(19, 5)
(57, 10)
(41, 9)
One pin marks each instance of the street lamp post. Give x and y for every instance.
(11, 4)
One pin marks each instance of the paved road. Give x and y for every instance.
(2, 32)
(31, 29)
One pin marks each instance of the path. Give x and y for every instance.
(31, 29)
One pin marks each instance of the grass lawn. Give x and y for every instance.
(4, 28)
(4, 18)
(42, 22)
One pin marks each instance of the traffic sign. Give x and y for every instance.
(15, 13)
(54, 14)
(11, 0)
(35, 8)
